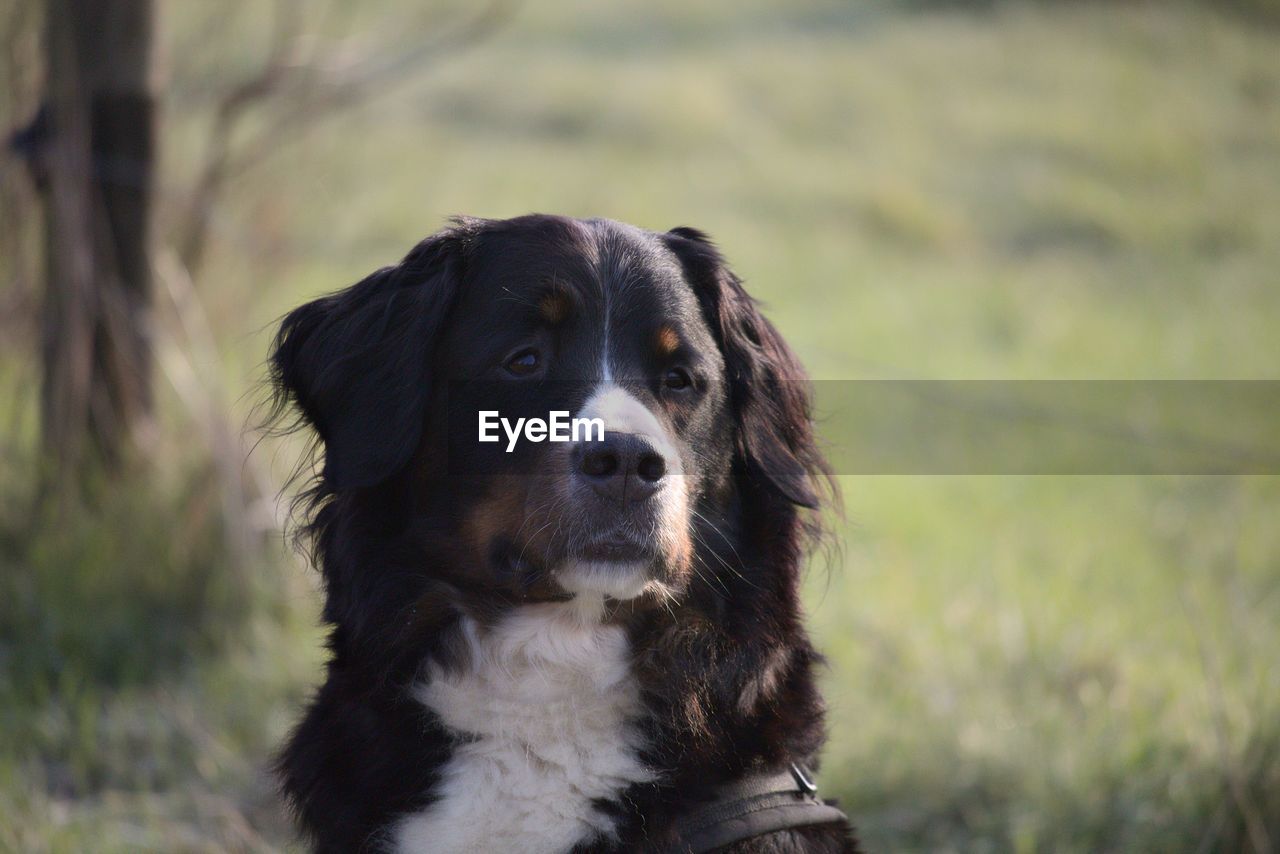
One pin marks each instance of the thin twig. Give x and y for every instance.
(315, 89)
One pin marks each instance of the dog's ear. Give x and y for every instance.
(768, 389)
(356, 363)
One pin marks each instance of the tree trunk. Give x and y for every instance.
(99, 169)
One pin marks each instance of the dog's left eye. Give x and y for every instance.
(524, 362)
(677, 379)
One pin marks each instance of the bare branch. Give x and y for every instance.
(316, 88)
(234, 105)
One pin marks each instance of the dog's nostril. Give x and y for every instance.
(599, 463)
(624, 467)
(651, 467)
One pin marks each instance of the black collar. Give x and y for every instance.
(752, 806)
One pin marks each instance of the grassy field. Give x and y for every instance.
(1017, 663)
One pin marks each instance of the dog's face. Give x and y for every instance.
(595, 320)
(649, 334)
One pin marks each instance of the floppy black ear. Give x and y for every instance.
(356, 362)
(768, 388)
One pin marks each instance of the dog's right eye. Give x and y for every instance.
(523, 362)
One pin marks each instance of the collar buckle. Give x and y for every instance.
(804, 779)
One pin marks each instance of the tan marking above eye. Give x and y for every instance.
(554, 307)
(667, 341)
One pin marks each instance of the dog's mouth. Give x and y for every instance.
(621, 548)
(539, 544)
(619, 565)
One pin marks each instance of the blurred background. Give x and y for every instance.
(955, 190)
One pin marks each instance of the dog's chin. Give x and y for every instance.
(617, 579)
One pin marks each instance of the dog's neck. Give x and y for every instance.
(545, 708)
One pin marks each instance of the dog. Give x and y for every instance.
(552, 646)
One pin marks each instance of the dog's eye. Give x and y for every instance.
(677, 379)
(524, 362)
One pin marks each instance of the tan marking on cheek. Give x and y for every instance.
(675, 535)
(666, 341)
(527, 510)
(498, 515)
(554, 307)
(682, 556)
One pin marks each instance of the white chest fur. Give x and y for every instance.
(548, 706)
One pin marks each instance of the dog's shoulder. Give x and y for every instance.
(357, 759)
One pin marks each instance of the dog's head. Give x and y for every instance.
(705, 411)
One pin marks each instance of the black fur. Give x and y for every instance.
(727, 671)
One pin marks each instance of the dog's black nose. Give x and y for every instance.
(622, 467)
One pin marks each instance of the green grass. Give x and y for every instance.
(144, 679)
(1026, 191)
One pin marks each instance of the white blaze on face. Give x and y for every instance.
(621, 412)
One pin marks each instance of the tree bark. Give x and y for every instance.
(98, 163)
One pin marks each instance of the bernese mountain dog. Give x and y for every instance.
(554, 646)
